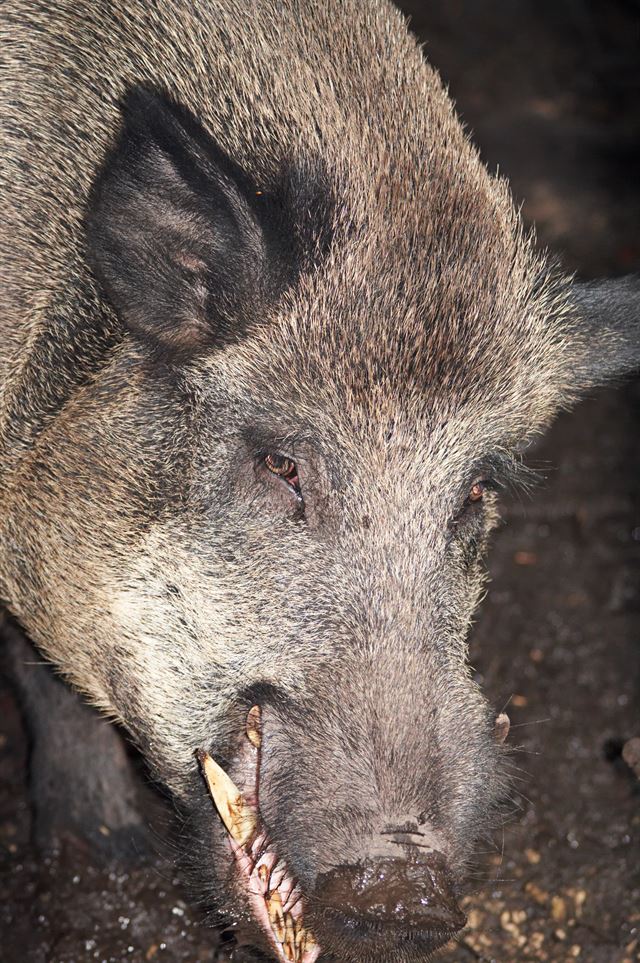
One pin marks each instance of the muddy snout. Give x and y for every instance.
(382, 899)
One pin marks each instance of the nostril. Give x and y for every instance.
(406, 827)
(395, 899)
(418, 837)
(405, 834)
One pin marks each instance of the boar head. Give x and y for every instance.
(277, 497)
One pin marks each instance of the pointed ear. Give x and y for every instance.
(182, 242)
(608, 315)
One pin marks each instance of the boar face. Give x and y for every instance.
(276, 499)
(352, 398)
(322, 562)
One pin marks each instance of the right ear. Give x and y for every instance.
(181, 241)
(608, 329)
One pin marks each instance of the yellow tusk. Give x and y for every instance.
(276, 916)
(238, 817)
(254, 733)
(289, 942)
(306, 944)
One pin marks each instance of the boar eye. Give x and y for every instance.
(286, 469)
(477, 491)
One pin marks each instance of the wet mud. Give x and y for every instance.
(551, 93)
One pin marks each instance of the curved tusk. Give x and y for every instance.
(238, 816)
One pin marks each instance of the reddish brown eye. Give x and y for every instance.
(284, 468)
(476, 491)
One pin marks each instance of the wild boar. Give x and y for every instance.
(272, 341)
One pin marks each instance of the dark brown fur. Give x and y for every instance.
(370, 308)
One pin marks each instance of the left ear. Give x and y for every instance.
(187, 251)
(608, 329)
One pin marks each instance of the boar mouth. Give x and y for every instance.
(274, 895)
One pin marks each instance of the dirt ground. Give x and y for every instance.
(550, 91)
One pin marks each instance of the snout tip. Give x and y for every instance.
(388, 902)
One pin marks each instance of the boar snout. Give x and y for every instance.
(382, 902)
(349, 826)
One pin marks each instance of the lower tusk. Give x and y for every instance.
(237, 815)
(271, 884)
(276, 916)
(308, 949)
(289, 942)
(254, 733)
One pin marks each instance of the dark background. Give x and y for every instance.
(551, 93)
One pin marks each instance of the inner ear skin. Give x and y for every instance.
(188, 250)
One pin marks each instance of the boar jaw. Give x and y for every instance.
(274, 897)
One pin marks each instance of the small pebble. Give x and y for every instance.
(537, 893)
(558, 909)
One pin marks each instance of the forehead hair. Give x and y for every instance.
(389, 324)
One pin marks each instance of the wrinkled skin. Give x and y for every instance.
(325, 276)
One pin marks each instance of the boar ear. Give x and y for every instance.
(609, 328)
(183, 244)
